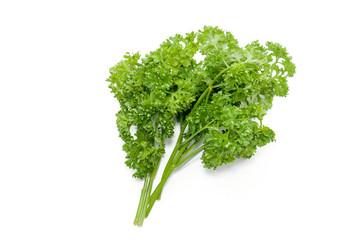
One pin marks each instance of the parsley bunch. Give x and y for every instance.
(220, 102)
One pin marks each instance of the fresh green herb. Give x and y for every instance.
(220, 103)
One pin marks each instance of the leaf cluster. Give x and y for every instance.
(151, 92)
(221, 100)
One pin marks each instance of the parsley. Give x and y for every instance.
(220, 102)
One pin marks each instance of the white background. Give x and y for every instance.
(62, 174)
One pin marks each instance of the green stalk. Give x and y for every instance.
(180, 149)
(199, 100)
(158, 190)
(189, 156)
(141, 210)
(191, 148)
(167, 167)
(174, 158)
(217, 76)
(202, 129)
(145, 195)
(208, 95)
(176, 148)
(179, 155)
(178, 161)
(170, 165)
(211, 85)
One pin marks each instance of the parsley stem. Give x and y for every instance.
(167, 172)
(211, 84)
(207, 91)
(178, 143)
(144, 197)
(199, 100)
(179, 155)
(219, 85)
(191, 148)
(158, 190)
(171, 162)
(146, 193)
(190, 155)
(180, 149)
(207, 96)
(217, 76)
(202, 129)
(176, 148)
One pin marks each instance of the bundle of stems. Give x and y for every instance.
(183, 151)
